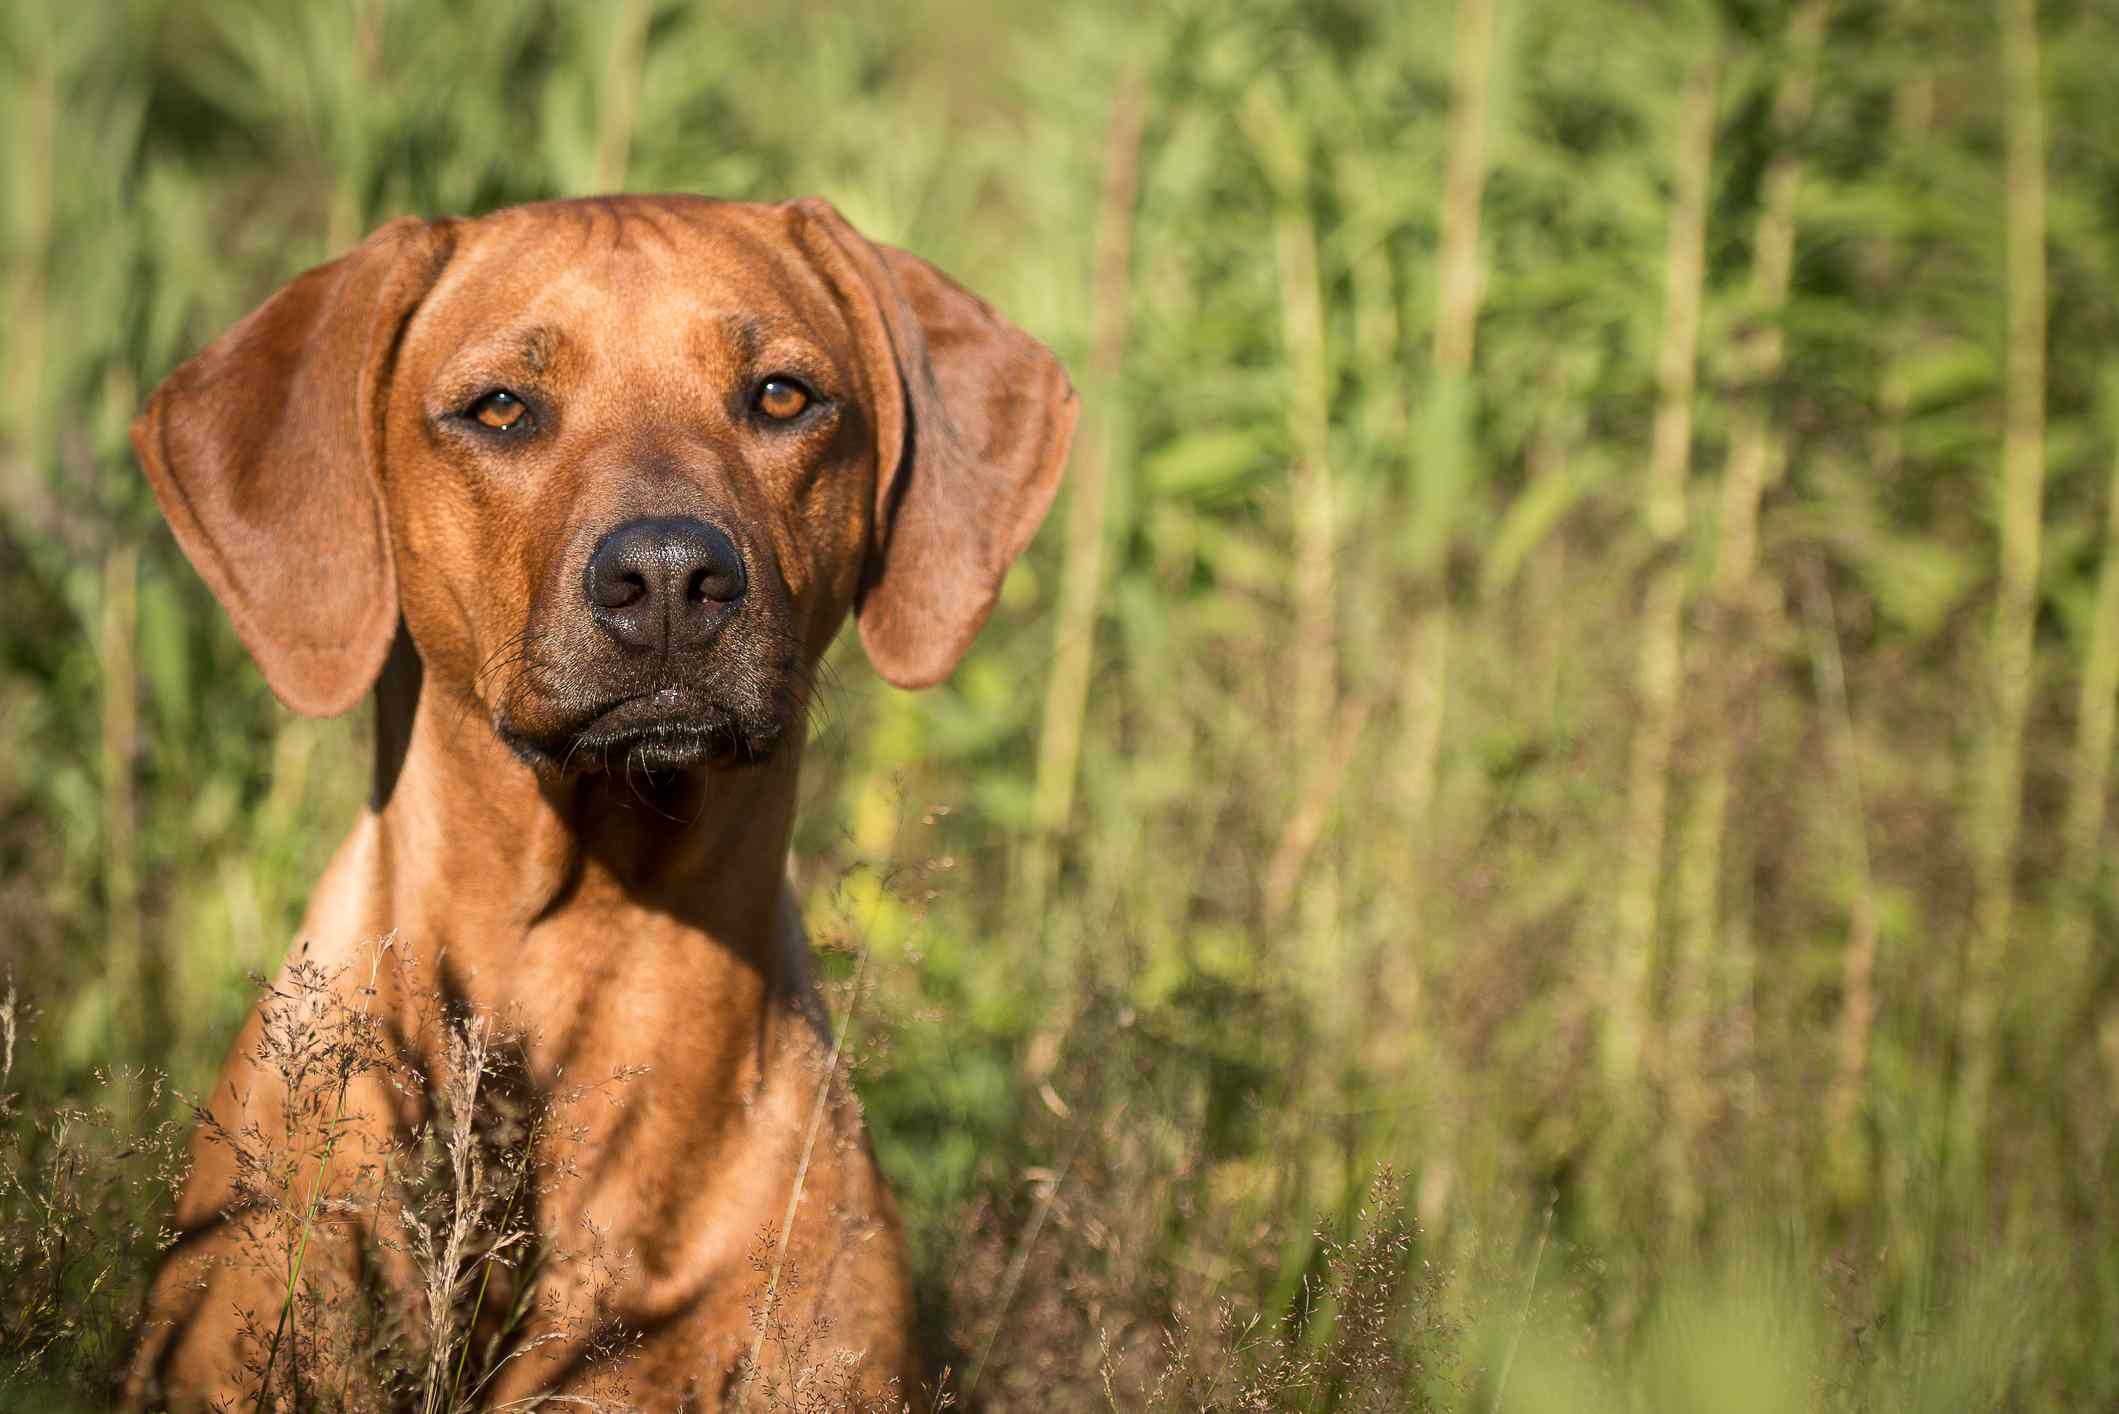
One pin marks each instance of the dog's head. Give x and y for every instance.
(622, 467)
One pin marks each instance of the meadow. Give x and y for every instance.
(1533, 834)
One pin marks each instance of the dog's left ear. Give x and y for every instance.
(973, 420)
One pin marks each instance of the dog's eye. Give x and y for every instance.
(782, 399)
(502, 411)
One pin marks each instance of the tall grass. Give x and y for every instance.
(1576, 663)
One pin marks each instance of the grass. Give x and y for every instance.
(1682, 865)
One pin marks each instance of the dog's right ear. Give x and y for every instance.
(264, 452)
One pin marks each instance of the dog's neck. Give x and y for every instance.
(701, 850)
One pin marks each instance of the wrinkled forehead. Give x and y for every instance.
(644, 281)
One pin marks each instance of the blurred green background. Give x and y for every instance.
(1576, 659)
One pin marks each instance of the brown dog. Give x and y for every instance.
(619, 468)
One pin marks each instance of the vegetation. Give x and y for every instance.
(1533, 835)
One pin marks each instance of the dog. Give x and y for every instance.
(584, 490)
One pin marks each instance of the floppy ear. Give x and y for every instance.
(973, 421)
(263, 452)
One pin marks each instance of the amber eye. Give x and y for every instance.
(782, 398)
(502, 411)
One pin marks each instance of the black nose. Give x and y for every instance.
(665, 584)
